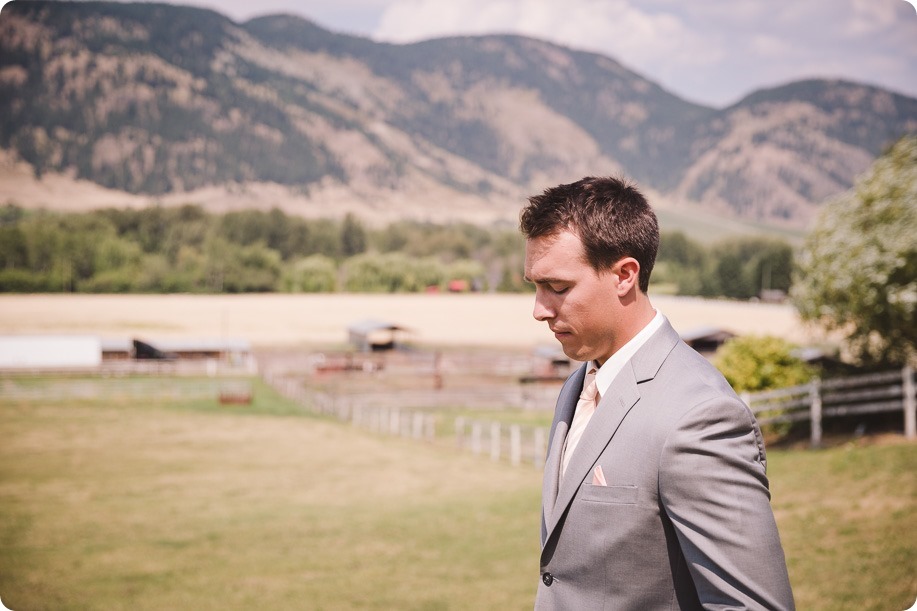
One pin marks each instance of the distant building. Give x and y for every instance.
(706, 340)
(374, 335)
(53, 352)
(549, 364)
(232, 350)
(827, 361)
(50, 351)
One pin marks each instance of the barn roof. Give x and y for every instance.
(370, 325)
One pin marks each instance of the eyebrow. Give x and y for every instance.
(545, 280)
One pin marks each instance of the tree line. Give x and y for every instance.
(188, 250)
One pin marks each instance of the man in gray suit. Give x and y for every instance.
(655, 494)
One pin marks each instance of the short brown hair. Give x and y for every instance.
(610, 216)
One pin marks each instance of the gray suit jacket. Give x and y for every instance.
(685, 521)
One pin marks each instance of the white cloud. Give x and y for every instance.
(712, 51)
(612, 27)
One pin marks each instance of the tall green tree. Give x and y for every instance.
(353, 236)
(742, 267)
(857, 273)
(312, 274)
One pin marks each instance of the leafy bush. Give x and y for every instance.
(314, 274)
(752, 363)
(391, 273)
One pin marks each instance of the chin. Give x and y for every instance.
(576, 356)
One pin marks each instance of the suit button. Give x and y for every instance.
(548, 579)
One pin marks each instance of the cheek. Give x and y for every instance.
(593, 315)
(579, 314)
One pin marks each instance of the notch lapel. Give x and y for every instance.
(566, 405)
(622, 395)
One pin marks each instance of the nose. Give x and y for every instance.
(543, 310)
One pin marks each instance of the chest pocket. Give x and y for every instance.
(619, 495)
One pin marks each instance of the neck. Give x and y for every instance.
(639, 314)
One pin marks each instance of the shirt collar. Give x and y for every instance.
(612, 367)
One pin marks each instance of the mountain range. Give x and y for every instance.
(133, 104)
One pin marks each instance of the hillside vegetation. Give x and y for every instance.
(157, 99)
(188, 250)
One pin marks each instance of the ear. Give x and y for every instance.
(627, 271)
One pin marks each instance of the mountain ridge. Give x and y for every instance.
(167, 102)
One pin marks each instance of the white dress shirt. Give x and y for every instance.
(612, 367)
(604, 376)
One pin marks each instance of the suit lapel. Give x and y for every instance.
(621, 397)
(566, 404)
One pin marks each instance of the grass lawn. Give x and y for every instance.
(847, 520)
(188, 505)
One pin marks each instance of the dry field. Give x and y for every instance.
(134, 505)
(143, 505)
(289, 320)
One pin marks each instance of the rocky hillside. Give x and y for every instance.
(169, 101)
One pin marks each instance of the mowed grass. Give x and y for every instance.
(848, 522)
(118, 506)
(190, 505)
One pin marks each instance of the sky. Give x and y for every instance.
(713, 52)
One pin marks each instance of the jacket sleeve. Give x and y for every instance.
(713, 487)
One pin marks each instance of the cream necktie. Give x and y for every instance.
(585, 407)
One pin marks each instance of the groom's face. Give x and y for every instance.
(579, 303)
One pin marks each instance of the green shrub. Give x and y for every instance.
(314, 274)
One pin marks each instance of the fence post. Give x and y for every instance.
(495, 441)
(540, 451)
(515, 444)
(460, 432)
(476, 438)
(356, 413)
(815, 411)
(384, 421)
(394, 422)
(910, 403)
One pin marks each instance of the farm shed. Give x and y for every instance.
(49, 351)
(707, 339)
(374, 335)
(196, 349)
(549, 363)
(116, 349)
(233, 350)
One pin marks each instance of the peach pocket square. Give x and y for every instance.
(598, 477)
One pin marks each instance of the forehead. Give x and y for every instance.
(555, 256)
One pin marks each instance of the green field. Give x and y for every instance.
(115, 504)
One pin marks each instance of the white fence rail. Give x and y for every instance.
(401, 414)
(415, 415)
(517, 443)
(890, 391)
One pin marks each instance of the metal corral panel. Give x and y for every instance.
(49, 351)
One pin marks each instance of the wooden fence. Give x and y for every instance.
(413, 415)
(515, 442)
(422, 416)
(890, 391)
